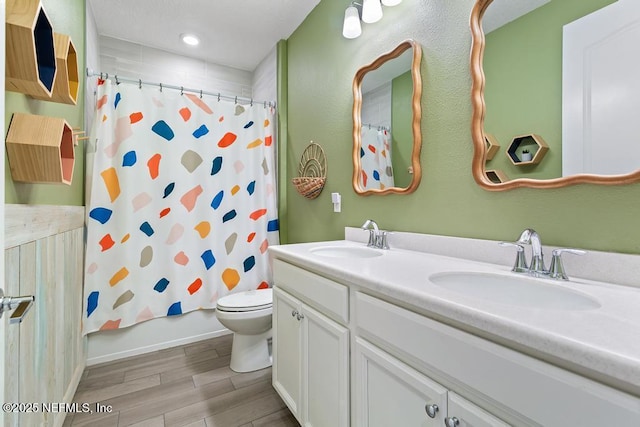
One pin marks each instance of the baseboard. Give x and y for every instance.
(155, 347)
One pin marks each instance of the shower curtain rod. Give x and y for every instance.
(182, 89)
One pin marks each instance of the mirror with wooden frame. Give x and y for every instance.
(555, 93)
(386, 122)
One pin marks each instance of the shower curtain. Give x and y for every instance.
(182, 206)
(375, 159)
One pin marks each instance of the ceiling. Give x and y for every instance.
(234, 33)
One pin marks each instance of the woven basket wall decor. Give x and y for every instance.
(312, 172)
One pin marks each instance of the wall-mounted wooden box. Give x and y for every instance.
(65, 88)
(492, 145)
(496, 176)
(40, 149)
(533, 143)
(30, 51)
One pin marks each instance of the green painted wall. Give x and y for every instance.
(321, 66)
(524, 93)
(67, 17)
(401, 119)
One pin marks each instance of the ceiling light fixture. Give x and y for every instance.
(351, 27)
(189, 39)
(369, 11)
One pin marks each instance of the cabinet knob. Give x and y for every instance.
(451, 422)
(300, 316)
(432, 410)
(294, 313)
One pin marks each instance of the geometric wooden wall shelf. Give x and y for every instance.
(496, 176)
(530, 142)
(492, 145)
(65, 88)
(30, 54)
(40, 149)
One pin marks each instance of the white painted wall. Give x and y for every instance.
(130, 60)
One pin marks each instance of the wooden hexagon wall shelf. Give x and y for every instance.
(532, 142)
(496, 176)
(40, 149)
(492, 145)
(65, 88)
(30, 51)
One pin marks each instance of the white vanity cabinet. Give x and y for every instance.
(511, 387)
(347, 355)
(389, 392)
(310, 347)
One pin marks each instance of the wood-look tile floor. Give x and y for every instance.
(189, 386)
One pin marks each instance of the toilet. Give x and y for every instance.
(248, 315)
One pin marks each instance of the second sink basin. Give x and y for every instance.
(346, 252)
(516, 290)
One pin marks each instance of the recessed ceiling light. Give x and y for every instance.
(189, 39)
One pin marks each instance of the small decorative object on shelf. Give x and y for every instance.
(527, 149)
(30, 49)
(492, 145)
(40, 149)
(312, 172)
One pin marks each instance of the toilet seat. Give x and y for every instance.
(246, 301)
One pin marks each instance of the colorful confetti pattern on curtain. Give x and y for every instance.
(375, 159)
(183, 204)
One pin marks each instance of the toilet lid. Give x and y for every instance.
(247, 301)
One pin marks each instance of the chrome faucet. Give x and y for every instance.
(377, 237)
(530, 237)
(537, 268)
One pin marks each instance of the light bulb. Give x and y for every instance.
(391, 2)
(189, 39)
(351, 27)
(371, 11)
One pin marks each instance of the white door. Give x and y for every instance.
(601, 91)
(325, 371)
(287, 350)
(390, 393)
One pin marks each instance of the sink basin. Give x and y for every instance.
(522, 291)
(346, 252)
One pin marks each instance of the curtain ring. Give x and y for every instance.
(236, 101)
(181, 90)
(101, 76)
(218, 96)
(251, 103)
(117, 81)
(200, 93)
(160, 87)
(139, 83)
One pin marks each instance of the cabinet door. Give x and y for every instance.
(390, 393)
(469, 415)
(287, 350)
(325, 371)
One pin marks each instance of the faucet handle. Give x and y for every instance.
(556, 271)
(383, 242)
(520, 265)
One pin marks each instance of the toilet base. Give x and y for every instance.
(250, 352)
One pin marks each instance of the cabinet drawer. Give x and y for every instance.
(535, 390)
(325, 295)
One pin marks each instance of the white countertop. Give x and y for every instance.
(602, 343)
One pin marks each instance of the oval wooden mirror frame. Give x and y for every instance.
(415, 123)
(477, 126)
